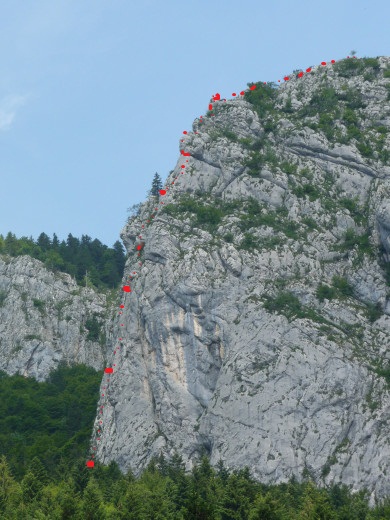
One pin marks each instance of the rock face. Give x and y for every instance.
(43, 318)
(258, 324)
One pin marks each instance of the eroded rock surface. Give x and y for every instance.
(205, 360)
(43, 317)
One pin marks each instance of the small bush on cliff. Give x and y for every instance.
(262, 98)
(325, 292)
(94, 327)
(3, 296)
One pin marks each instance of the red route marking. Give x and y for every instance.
(126, 288)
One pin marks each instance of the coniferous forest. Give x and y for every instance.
(88, 261)
(44, 444)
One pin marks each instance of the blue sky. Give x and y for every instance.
(95, 95)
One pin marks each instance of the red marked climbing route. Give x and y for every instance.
(139, 247)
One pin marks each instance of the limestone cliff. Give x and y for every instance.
(44, 318)
(258, 325)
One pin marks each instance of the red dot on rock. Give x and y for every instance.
(242, 93)
(234, 94)
(162, 192)
(286, 78)
(217, 97)
(253, 87)
(126, 288)
(210, 106)
(108, 370)
(185, 131)
(333, 61)
(182, 166)
(308, 70)
(90, 464)
(323, 62)
(121, 306)
(300, 74)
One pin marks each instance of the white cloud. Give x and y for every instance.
(8, 108)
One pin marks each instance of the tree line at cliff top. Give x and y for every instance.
(89, 261)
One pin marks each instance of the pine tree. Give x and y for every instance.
(8, 486)
(44, 242)
(92, 501)
(10, 244)
(222, 472)
(55, 242)
(156, 185)
(267, 508)
(119, 256)
(31, 487)
(38, 470)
